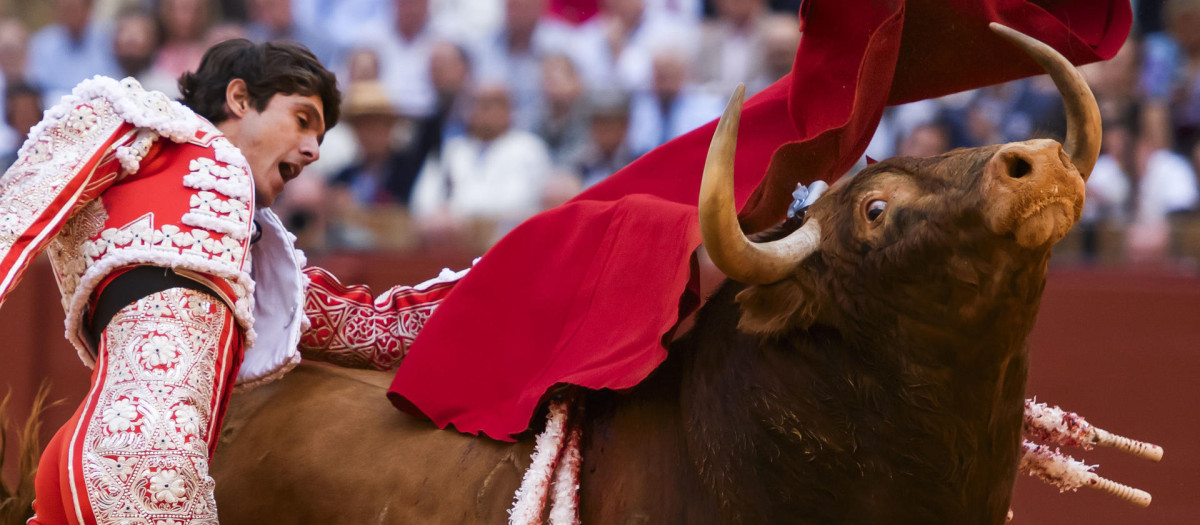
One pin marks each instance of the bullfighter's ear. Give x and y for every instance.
(770, 309)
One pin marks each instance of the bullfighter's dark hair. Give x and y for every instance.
(268, 69)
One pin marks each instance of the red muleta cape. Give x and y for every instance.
(587, 293)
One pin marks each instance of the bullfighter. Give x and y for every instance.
(152, 212)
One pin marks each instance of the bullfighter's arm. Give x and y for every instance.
(353, 328)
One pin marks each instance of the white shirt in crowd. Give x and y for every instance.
(632, 68)
(1169, 185)
(501, 180)
(57, 63)
(1107, 191)
(403, 66)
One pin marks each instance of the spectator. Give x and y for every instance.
(619, 44)
(467, 20)
(1166, 185)
(22, 110)
(563, 122)
(135, 45)
(732, 47)
(687, 11)
(1115, 83)
(1183, 16)
(673, 106)
(373, 120)
(70, 50)
(273, 20)
(341, 149)
(925, 140)
(185, 24)
(488, 180)
(359, 220)
(780, 38)
(403, 48)
(1108, 187)
(14, 46)
(606, 150)
(514, 55)
(370, 183)
(362, 64)
(223, 31)
(343, 21)
(449, 69)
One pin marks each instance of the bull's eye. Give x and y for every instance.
(875, 209)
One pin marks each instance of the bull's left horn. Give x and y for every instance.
(1082, 143)
(730, 250)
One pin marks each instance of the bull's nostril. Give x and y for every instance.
(1019, 168)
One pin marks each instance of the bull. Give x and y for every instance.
(865, 363)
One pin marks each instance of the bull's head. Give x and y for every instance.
(943, 235)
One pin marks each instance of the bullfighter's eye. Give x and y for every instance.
(875, 209)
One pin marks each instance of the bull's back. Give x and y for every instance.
(324, 445)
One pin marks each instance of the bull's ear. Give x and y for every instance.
(770, 309)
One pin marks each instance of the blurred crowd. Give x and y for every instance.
(464, 117)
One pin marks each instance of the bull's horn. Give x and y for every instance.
(1083, 115)
(731, 251)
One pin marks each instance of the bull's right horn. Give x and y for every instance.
(1082, 142)
(731, 251)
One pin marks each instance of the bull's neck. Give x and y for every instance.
(637, 466)
(775, 423)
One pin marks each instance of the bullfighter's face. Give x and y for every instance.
(279, 141)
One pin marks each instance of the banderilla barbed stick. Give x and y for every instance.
(1055, 425)
(1067, 473)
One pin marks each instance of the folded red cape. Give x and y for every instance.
(586, 293)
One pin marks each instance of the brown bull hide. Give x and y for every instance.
(323, 446)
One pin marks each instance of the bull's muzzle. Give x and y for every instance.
(1033, 191)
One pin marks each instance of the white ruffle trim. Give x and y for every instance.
(229, 154)
(278, 303)
(446, 276)
(232, 228)
(131, 156)
(150, 110)
(145, 109)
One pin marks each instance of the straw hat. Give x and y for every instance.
(367, 97)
